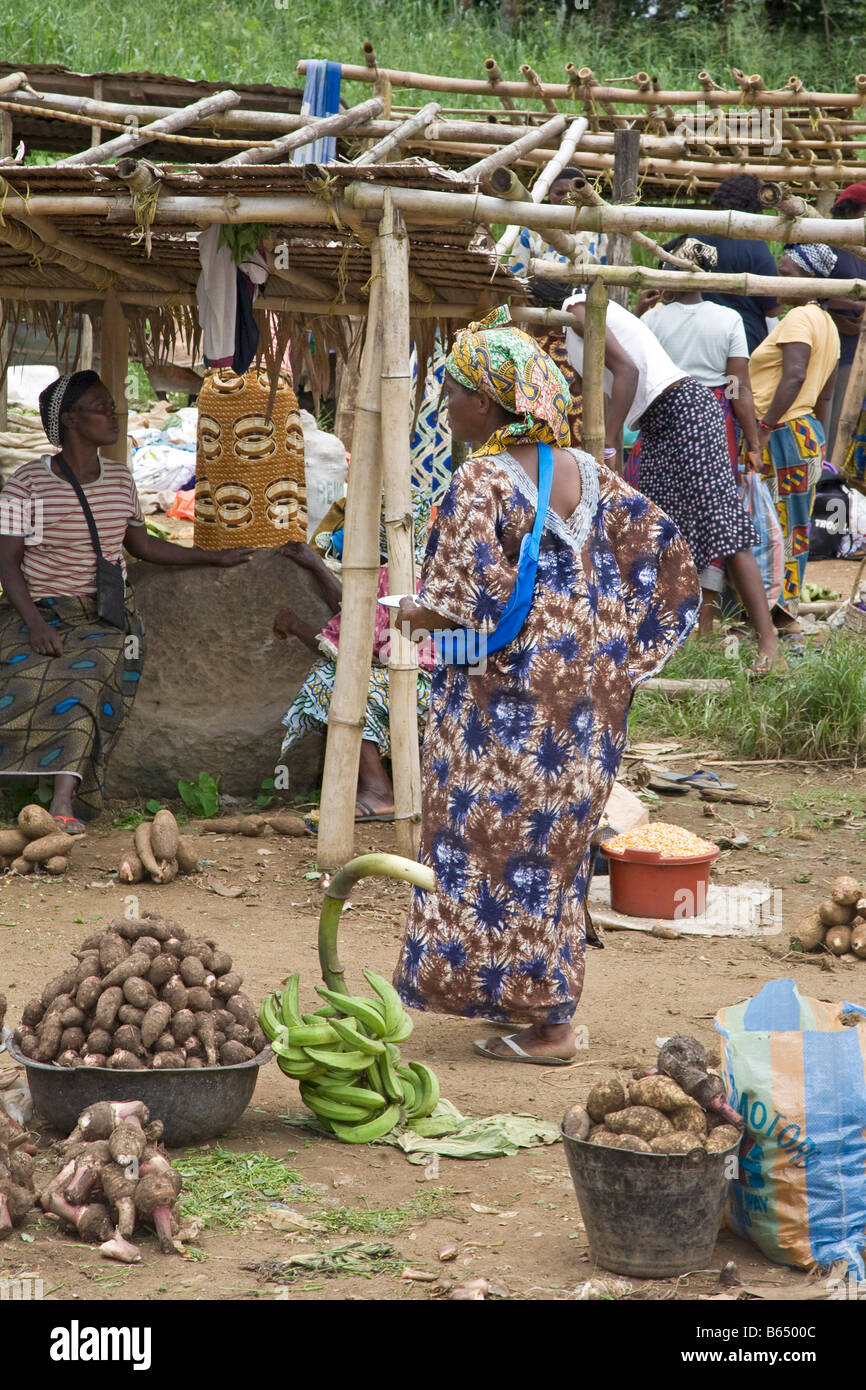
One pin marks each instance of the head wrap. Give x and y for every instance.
(854, 193)
(59, 396)
(508, 365)
(816, 258)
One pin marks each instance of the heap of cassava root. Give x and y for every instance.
(115, 1176)
(143, 994)
(655, 1113)
(36, 844)
(838, 924)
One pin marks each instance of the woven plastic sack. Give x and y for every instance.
(797, 1074)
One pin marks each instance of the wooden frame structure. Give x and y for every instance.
(371, 251)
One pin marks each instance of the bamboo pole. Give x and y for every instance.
(360, 583)
(507, 155)
(378, 153)
(429, 82)
(727, 282)
(10, 82)
(546, 179)
(5, 330)
(188, 115)
(399, 529)
(506, 184)
(594, 329)
(114, 365)
(313, 130)
(852, 402)
(625, 179)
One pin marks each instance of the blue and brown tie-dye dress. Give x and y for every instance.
(519, 760)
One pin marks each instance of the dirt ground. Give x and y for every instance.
(528, 1239)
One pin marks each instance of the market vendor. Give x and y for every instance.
(521, 755)
(71, 642)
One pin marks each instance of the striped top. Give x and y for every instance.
(59, 558)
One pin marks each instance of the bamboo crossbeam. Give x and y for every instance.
(584, 194)
(313, 130)
(381, 151)
(547, 178)
(717, 281)
(436, 208)
(12, 81)
(428, 82)
(142, 135)
(509, 153)
(506, 184)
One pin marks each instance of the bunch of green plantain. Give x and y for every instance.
(347, 1059)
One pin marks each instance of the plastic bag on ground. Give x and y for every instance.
(796, 1070)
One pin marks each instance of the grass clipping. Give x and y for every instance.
(814, 709)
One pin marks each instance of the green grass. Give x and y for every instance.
(226, 1189)
(815, 709)
(215, 39)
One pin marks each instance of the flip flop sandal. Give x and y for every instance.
(681, 781)
(766, 666)
(369, 816)
(519, 1054)
(70, 824)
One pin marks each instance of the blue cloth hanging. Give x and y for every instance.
(321, 98)
(459, 647)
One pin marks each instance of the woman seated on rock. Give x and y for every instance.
(309, 709)
(71, 643)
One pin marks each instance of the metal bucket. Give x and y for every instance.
(194, 1105)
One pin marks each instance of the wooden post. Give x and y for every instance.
(396, 428)
(593, 370)
(360, 582)
(114, 364)
(96, 131)
(853, 400)
(626, 158)
(5, 332)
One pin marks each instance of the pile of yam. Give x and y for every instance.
(159, 851)
(650, 1115)
(36, 844)
(141, 994)
(838, 924)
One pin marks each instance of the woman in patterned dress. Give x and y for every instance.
(520, 754)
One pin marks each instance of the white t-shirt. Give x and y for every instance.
(656, 371)
(699, 337)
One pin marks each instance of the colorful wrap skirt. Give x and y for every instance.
(792, 460)
(63, 713)
(308, 711)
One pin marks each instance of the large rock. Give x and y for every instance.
(216, 681)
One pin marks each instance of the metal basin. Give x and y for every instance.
(194, 1105)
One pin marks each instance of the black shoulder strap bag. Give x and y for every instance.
(110, 583)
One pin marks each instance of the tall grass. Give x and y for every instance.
(235, 40)
(815, 709)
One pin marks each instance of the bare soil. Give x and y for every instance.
(532, 1243)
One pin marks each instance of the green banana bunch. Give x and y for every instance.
(347, 1059)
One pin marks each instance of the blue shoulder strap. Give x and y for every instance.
(516, 610)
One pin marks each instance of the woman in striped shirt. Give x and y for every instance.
(68, 677)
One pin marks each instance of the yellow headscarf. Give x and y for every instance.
(510, 366)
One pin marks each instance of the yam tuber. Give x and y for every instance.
(12, 842)
(61, 984)
(144, 849)
(164, 835)
(168, 871)
(130, 869)
(56, 865)
(156, 1020)
(91, 1222)
(138, 992)
(155, 1197)
(838, 940)
(35, 822)
(57, 843)
(137, 963)
(107, 1005)
(162, 968)
(835, 914)
(88, 1166)
(124, 1061)
(112, 950)
(187, 859)
(192, 971)
(228, 984)
(845, 890)
(175, 993)
(127, 1142)
(199, 999)
(119, 1248)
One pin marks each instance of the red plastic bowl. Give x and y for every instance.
(642, 884)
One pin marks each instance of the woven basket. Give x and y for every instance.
(855, 618)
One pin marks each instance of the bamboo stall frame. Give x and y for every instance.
(360, 581)
(396, 427)
(367, 218)
(142, 135)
